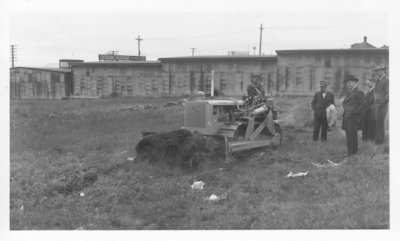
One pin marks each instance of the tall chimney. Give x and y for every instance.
(365, 39)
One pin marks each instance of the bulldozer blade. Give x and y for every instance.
(222, 147)
(248, 145)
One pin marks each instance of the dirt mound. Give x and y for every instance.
(180, 148)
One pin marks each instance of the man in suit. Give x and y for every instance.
(322, 99)
(381, 101)
(353, 106)
(368, 132)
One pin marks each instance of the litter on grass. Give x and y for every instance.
(328, 164)
(214, 197)
(131, 159)
(300, 174)
(197, 185)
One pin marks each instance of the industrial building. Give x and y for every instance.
(123, 78)
(40, 83)
(289, 72)
(299, 71)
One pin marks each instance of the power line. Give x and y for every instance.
(328, 26)
(203, 36)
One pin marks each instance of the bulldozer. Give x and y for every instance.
(238, 125)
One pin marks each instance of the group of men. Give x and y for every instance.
(361, 111)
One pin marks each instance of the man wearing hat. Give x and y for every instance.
(255, 88)
(353, 106)
(322, 99)
(381, 100)
(255, 91)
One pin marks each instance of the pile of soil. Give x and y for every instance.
(180, 148)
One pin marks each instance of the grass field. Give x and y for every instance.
(69, 170)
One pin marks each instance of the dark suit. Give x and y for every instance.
(353, 106)
(319, 105)
(368, 131)
(381, 100)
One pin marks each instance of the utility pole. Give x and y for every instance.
(139, 39)
(261, 29)
(193, 51)
(13, 54)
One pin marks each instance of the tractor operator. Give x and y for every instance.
(255, 91)
(255, 88)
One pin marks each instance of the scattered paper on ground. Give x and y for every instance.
(328, 164)
(300, 174)
(198, 185)
(214, 197)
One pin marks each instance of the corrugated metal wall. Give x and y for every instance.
(289, 73)
(122, 80)
(231, 77)
(300, 73)
(38, 84)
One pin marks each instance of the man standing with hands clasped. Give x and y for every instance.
(322, 99)
(381, 101)
(353, 106)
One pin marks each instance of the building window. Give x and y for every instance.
(328, 63)
(312, 79)
(87, 72)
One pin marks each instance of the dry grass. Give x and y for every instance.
(62, 149)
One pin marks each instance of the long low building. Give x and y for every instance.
(289, 72)
(299, 71)
(123, 78)
(292, 72)
(231, 74)
(40, 83)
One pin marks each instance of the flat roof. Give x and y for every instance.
(114, 63)
(77, 60)
(319, 51)
(221, 57)
(58, 70)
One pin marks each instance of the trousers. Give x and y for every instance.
(352, 125)
(320, 122)
(380, 114)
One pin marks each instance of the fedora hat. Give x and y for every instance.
(323, 83)
(378, 67)
(350, 78)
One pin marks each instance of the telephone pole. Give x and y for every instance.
(261, 29)
(193, 51)
(13, 54)
(139, 39)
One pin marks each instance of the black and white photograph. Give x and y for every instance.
(256, 119)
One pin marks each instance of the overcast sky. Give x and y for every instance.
(43, 38)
